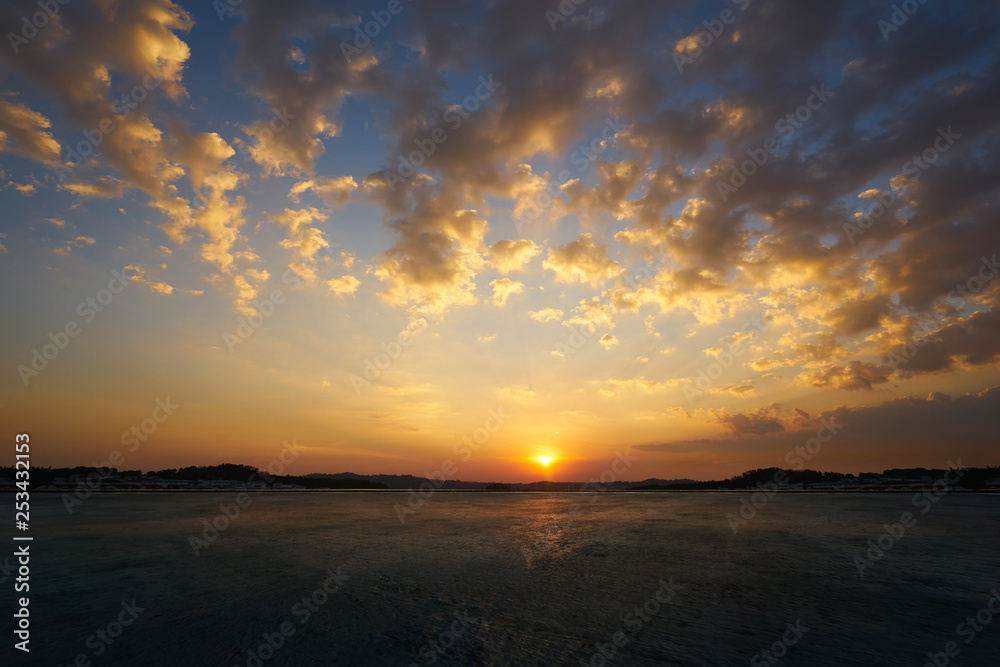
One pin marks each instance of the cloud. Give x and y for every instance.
(647, 152)
(763, 364)
(26, 189)
(342, 286)
(756, 422)
(613, 387)
(582, 260)
(739, 390)
(591, 313)
(546, 315)
(503, 289)
(102, 187)
(910, 430)
(303, 239)
(247, 287)
(438, 250)
(699, 291)
(25, 132)
(220, 217)
(137, 274)
(608, 341)
(967, 342)
(85, 60)
(301, 106)
(78, 242)
(826, 350)
(77, 60)
(855, 375)
(510, 256)
(859, 315)
(334, 191)
(615, 181)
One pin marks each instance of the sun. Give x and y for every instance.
(545, 460)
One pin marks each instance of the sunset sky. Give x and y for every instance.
(615, 224)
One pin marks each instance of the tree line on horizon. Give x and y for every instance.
(231, 472)
(972, 478)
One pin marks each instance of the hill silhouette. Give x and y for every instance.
(233, 475)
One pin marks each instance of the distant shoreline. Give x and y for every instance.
(514, 491)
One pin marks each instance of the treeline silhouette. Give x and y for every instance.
(231, 472)
(972, 478)
(752, 478)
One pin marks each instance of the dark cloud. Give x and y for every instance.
(742, 174)
(854, 375)
(923, 431)
(755, 422)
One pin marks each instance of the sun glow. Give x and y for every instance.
(545, 460)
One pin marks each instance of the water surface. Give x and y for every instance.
(512, 579)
